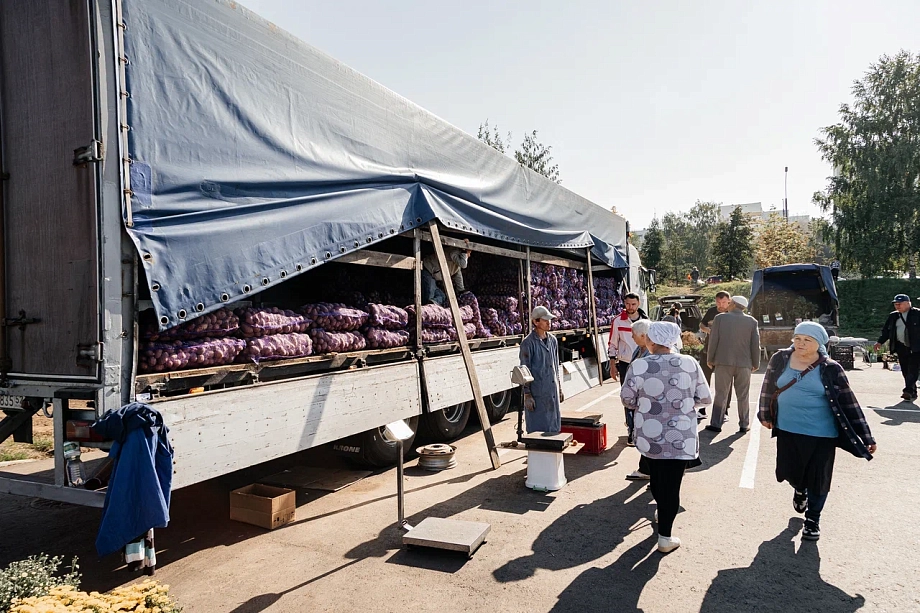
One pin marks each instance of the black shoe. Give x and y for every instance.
(701, 412)
(811, 531)
(743, 430)
(713, 429)
(907, 396)
(799, 501)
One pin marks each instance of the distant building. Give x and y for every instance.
(755, 210)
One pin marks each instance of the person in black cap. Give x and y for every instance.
(902, 332)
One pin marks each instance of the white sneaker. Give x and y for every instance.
(637, 476)
(667, 544)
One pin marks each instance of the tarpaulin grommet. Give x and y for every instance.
(342, 249)
(164, 320)
(418, 220)
(283, 274)
(147, 257)
(224, 297)
(370, 239)
(182, 314)
(154, 287)
(357, 244)
(247, 288)
(392, 231)
(313, 260)
(298, 267)
(328, 254)
(199, 307)
(265, 281)
(380, 235)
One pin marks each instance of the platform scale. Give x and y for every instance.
(432, 532)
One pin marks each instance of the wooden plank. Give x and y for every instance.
(377, 258)
(215, 433)
(455, 242)
(417, 245)
(592, 312)
(443, 388)
(556, 260)
(465, 347)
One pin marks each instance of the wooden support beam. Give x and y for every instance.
(377, 258)
(417, 246)
(529, 276)
(455, 242)
(464, 346)
(556, 261)
(592, 315)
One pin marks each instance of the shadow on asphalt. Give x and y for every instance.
(259, 603)
(779, 579)
(901, 413)
(712, 454)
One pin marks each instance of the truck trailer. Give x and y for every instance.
(167, 160)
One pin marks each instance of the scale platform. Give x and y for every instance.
(542, 441)
(450, 534)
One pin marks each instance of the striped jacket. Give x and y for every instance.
(853, 430)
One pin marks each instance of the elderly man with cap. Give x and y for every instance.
(665, 389)
(902, 332)
(733, 353)
(540, 354)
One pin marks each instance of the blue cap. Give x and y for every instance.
(901, 298)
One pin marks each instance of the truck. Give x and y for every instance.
(167, 160)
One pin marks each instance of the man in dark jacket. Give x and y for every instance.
(902, 332)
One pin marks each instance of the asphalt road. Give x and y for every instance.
(588, 547)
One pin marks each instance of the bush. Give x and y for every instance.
(34, 577)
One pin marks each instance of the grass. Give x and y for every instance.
(11, 454)
(43, 444)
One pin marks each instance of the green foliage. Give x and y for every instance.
(675, 263)
(688, 241)
(865, 303)
(733, 248)
(536, 156)
(780, 242)
(12, 455)
(43, 444)
(651, 246)
(708, 292)
(34, 576)
(492, 137)
(874, 196)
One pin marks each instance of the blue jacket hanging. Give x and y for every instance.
(138, 494)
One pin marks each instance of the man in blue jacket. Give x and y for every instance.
(902, 333)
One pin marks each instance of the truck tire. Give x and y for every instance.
(499, 403)
(371, 449)
(446, 424)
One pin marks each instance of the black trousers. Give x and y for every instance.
(910, 368)
(666, 477)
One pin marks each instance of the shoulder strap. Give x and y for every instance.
(816, 363)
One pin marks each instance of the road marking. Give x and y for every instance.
(749, 471)
(901, 410)
(596, 400)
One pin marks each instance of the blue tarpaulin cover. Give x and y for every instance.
(254, 153)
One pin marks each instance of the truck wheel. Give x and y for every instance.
(371, 449)
(498, 404)
(446, 424)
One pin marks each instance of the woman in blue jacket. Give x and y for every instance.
(540, 354)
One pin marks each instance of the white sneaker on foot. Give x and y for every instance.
(637, 476)
(667, 544)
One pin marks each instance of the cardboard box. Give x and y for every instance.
(263, 505)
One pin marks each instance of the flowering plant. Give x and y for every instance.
(146, 597)
(34, 576)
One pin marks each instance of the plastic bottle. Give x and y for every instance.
(76, 472)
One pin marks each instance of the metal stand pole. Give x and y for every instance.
(400, 493)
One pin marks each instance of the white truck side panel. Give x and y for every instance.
(447, 383)
(219, 432)
(578, 376)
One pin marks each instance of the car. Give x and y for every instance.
(714, 279)
(690, 314)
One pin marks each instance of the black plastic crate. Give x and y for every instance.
(843, 354)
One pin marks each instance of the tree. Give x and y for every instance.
(651, 245)
(492, 137)
(702, 225)
(874, 195)
(781, 242)
(675, 258)
(733, 247)
(536, 156)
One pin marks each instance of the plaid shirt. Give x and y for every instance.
(853, 431)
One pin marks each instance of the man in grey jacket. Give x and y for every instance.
(733, 354)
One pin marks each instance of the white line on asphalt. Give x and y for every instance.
(596, 400)
(749, 471)
(902, 410)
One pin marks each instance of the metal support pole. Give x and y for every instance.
(400, 488)
(592, 315)
(464, 346)
(529, 328)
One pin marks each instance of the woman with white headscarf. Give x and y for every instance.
(807, 401)
(665, 389)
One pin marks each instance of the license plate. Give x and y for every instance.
(11, 402)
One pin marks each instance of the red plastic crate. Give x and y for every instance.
(594, 437)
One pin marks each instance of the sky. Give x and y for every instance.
(648, 106)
